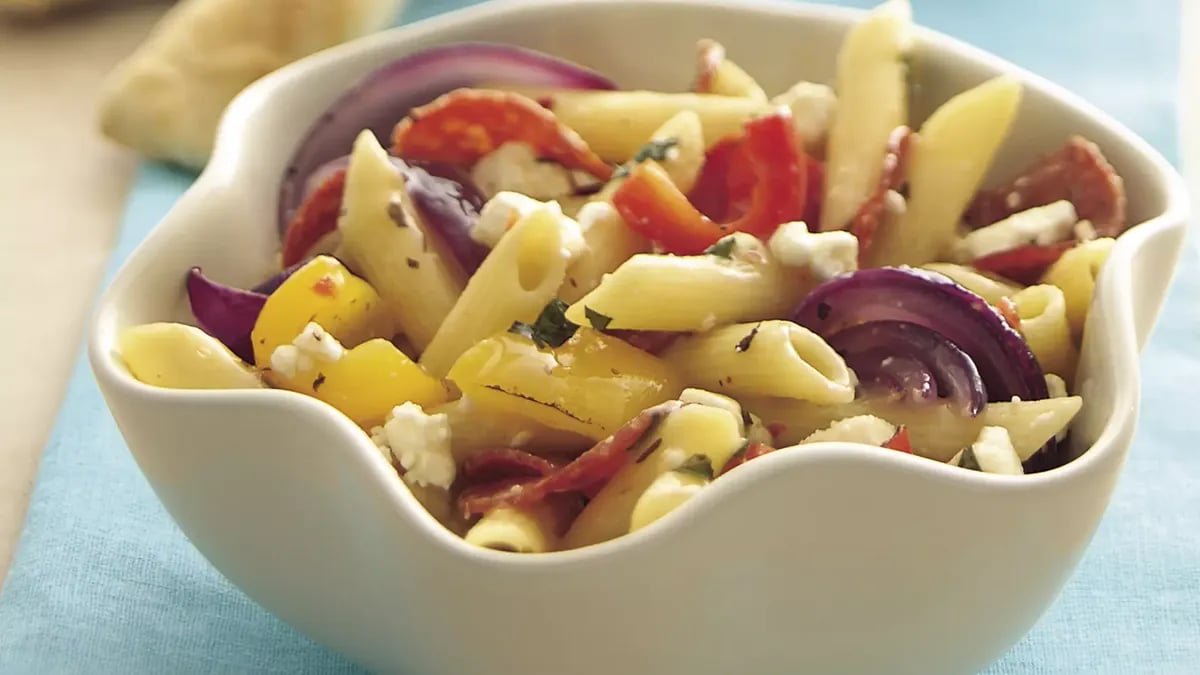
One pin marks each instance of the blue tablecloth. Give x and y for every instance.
(103, 582)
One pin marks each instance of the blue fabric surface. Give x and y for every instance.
(103, 581)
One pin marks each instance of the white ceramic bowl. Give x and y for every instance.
(841, 559)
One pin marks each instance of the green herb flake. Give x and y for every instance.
(700, 465)
(723, 248)
(599, 321)
(969, 461)
(550, 329)
(744, 343)
(656, 150)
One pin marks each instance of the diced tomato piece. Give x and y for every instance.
(316, 217)
(464, 125)
(1009, 311)
(652, 341)
(1025, 264)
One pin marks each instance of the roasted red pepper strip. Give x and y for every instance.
(1025, 264)
(1008, 310)
(585, 474)
(315, 218)
(466, 124)
(751, 451)
(1077, 172)
(872, 212)
(899, 441)
(654, 207)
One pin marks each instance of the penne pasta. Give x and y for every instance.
(768, 358)
(609, 241)
(382, 238)
(475, 428)
(990, 288)
(616, 124)
(1042, 310)
(718, 75)
(872, 102)
(1075, 274)
(591, 385)
(935, 431)
(691, 431)
(691, 293)
(514, 283)
(514, 530)
(666, 493)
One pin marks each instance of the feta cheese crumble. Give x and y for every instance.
(420, 443)
(500, 213)
(1041, 225)
(813, 106)
(312, 346)
(514, 167)
(825, 254)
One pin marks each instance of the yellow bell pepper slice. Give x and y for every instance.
(322, 291)
(591, 385)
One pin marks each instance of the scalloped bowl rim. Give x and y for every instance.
(1114, 317)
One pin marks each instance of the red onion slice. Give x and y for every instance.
(1005, 363)
(386, 95)
(225, 312)
(909, 362)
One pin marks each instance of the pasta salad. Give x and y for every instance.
(560, 309)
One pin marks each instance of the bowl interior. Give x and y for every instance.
(226, 222)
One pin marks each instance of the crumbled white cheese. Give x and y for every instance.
(673, 458)
(312, 346)
(1041, 225)
(866, 429)
(757, 432)
(813, 106)
(894, 205)
(514, 167)
(825, 254)
(993, 452)
(420, 443)
(502, 211)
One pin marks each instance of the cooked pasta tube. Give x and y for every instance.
(690, 293)
(590, 385)
(990, 288)
(935, 431)
(768, 358)
(616, 124)
(514, 283)
(1043, 313)
(515, 530)
(475, 428)
(1075, 273)
(686, 434)
(668, 492)
(382, 238)
(679, 145)
(719, 75)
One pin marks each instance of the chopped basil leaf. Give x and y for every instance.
(599, 321)
(723, 248)
(968, 460)
(550, 329)
(700, 465)
(655, 150)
